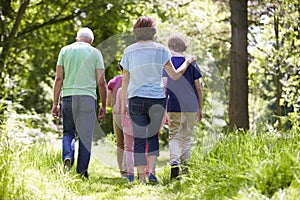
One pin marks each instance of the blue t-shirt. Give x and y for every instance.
(182, 94)
(145, 63)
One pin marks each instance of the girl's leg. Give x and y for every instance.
(128, 139)
(120, 147)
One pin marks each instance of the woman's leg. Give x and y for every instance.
(156, 115)
(153, 153)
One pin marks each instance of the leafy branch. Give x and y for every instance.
(52, 21)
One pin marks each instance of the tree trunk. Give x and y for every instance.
(238, 102)
(278, 84)
(7, 42)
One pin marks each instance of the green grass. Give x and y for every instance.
(239, 165)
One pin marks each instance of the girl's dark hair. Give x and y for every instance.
(144, 28)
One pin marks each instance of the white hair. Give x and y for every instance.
(85, 33)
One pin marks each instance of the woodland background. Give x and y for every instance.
(248, 52)
(264, 58)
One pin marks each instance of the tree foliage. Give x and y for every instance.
(206, 24)
(274, 48)
(33, 31)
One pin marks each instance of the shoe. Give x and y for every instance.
(123, 174)
(174, 172)
(130, 178)
(84, 175)
(152, 178)
(67, 164)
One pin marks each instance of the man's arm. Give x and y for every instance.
(199, 92)
(102, 88)
(57, 90)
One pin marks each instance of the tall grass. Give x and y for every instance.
(260, 165)
(30, 166)
(10, 187)
(238, 165)
(35, 171)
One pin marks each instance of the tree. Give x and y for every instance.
(274, 69)
(206, 25)
(26, 28)
(32, 33)
(238, 102)
(9, 35)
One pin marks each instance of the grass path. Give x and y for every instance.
(260, 165)
(104, 181)
(239, 167)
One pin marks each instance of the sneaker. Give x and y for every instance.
(84, 175)
(130, 178)
(123, 174)
(152, 178)
(174, 172)
(67, 164)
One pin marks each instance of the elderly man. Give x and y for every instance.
(80, 69)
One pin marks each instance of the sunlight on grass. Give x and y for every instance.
(240, 165)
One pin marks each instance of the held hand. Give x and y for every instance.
(55, 111)
(102, 113)
(199, 115)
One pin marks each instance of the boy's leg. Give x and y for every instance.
(174, 137)
(174, 142)
(186, 139)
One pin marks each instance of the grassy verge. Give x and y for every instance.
(244, 166)
(240, 165)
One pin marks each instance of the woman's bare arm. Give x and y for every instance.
(177, 73)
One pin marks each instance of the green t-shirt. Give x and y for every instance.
(80, 61)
